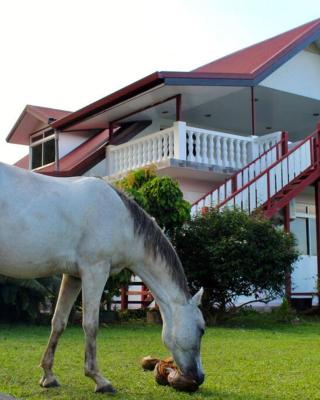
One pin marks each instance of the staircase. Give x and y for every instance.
(270, 181)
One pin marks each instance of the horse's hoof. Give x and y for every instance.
(49, 383)
(106, 389)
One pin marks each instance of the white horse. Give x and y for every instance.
(86, 230)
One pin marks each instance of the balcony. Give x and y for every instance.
(185, 146)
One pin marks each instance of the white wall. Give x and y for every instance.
(69, 141)
(304, 276)
(300, 75)
(99, 169)
(193, 189)
(154, 127)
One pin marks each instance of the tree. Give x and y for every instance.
(160, 196)
(231, 253)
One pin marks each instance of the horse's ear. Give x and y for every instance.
(196, 299)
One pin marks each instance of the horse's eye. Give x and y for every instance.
(201, 331)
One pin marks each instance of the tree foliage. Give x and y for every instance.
(20, 299)
(160, 196)
(231, 253)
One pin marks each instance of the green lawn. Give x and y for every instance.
(242, 362)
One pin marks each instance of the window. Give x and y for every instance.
(43, 149)
(299, 227)
(312, 236)
(305, 231)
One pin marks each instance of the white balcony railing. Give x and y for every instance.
(185, 143)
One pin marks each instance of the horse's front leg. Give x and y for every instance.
(69, 290)
(93, 282)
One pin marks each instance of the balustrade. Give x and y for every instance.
(186, 143)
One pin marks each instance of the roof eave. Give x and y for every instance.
(123, 94)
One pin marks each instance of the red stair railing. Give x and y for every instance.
(260, 190)
(243, 176)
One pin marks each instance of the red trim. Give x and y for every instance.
(123, 94)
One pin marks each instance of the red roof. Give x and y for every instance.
(77, 161)
(256, 58)
(246, 67)
(32, 119)
(23, 162)
(44, 113)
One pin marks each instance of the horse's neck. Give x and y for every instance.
(165, 290)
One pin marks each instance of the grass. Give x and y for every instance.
(247, 360)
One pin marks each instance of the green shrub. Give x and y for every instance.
(231, 253)
(160, 196)
(20, 299)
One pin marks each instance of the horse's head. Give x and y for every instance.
(182, 335)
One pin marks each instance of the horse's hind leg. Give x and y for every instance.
(69, 290)
(93, 282)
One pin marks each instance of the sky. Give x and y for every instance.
(68, 53)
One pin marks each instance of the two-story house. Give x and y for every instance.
(241, 130)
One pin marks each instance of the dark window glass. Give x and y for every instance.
(49, 151)
(37, 156)
(299, 227)
(48, 133)
(312, 237)
(36, 138)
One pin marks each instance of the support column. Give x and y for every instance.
(180, 140)
(178, 108)
(253, 112)
(110, 130)
(317, 201)
(286, 226)
(143, 295)
(286, 216)
(124, 298)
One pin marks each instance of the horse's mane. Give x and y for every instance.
(155, 241)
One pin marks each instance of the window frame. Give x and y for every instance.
(307, 216)
(39, 139)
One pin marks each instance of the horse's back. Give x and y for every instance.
(47, 223)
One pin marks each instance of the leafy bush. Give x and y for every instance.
(231, 253)
(160, 196)
(284, 313)
(134, 314)
(20, 299)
